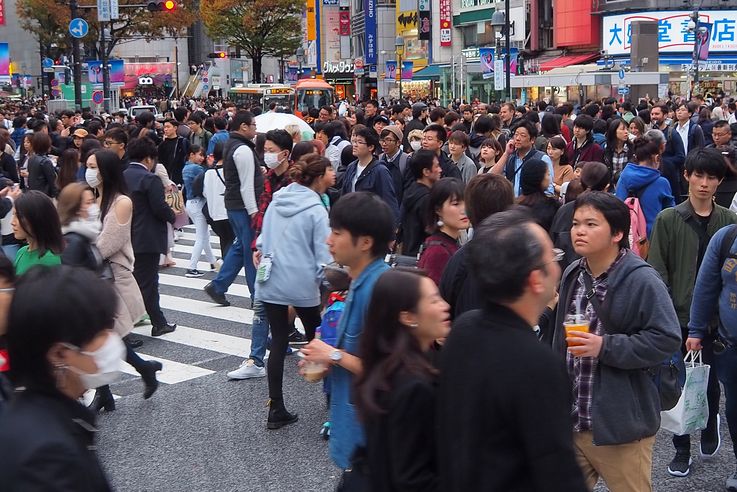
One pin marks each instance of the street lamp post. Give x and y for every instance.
(300, 60)
(500, 20)
(699, 33)
(399, 45)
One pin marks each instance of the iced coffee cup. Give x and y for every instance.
(313, 371)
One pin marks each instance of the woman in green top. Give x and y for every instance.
(36, 221)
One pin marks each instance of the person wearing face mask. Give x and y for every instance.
(79, 215)
(195, 203)
(60, 345)
(115, 247)
(415, 140)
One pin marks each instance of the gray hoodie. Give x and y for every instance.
(646, 331)
(294, 233)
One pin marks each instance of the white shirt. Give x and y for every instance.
(359, 171)
(683, 132)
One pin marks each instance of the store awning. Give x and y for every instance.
(567, 60)
(429, 72)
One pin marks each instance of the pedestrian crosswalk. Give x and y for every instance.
(209, 338)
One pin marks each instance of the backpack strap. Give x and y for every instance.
(726, 245)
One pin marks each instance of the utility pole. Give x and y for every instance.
(105, 32)
(77, 61)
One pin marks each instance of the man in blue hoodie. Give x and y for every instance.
(714, 293)
(644, 179)
(362, 225)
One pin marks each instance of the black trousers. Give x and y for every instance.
(146, 273)
(225, 233)
(278, 316)
(713, 392)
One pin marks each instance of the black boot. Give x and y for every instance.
(148, 374)
(103, 400)
(278, 415)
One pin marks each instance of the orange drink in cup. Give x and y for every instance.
(575, 322)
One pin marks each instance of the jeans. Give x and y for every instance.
(726, 367)
(279, 320)
(259, 333)
(239, 255)
(202, 233)
(225, 233)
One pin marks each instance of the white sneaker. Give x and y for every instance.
(247, 370)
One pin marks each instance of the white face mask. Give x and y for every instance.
(93, 212)
(415, 145)
(271, 159)
(107, 359)
(92, 176)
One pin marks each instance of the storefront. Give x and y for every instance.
(340, 75)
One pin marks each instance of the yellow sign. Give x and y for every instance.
(406, 17)
(279, 91)
(311, 20)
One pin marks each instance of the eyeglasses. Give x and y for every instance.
(426, 138)
(108, 143)
(7, 289)
(357, 142)
(388, 140)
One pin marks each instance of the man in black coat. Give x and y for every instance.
(494, 431)
(148, 231)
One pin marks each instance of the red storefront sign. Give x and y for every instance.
(345, 23)
(2, 12)
(445, 20)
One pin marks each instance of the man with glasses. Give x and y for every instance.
(116, 139)
(519, 150)
(721, 135)
(393, 158)
(608, 345)
(244, 183)
(433, 139)
(366, 173)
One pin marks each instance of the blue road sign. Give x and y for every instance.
(621, 73)
(47, 63)
(97, 97)
(623, 91)
(79, 28)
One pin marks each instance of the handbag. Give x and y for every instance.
(356, 478)
(691, 412)
(175, 200)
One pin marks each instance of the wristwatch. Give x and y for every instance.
(336, 356)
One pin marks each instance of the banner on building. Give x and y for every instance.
(407, 70)
(424, 25)
(2, 12)
(445, 23)
(703, 34)
(311, 12)
(345, 23)
(499, 75)
(370, 55)
(390, 73)
(486, 56)
(4, 60)
(117, 72)
(407, 19)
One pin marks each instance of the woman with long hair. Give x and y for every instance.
(291, 253)
(41, 172)
(549, 128)
(446, 219)
(618, 150)
(105, 174)
(396, 392)
(68, 166)
(556, 150)
(534, 180)
(637, 127)
(8, 166)
(35, 220)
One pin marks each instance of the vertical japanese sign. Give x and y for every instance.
(2, 12)
(425, 21)
(486, 56)
(311, 20)
(370, 55)
(406, 16)
(702, 40)
(345, 23)
(391, 70)
(445, 20)
(407, 70)
(4, 60)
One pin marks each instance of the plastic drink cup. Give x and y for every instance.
(313, 371)
(575, 322)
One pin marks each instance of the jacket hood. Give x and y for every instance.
(477, 139)
(295, 198)
(90, 229)
(641, 176)
(415, 193)
(629, 263)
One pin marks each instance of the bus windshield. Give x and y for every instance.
(313, 98)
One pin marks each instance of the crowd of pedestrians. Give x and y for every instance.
(491, 257)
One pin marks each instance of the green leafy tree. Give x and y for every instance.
(258, 27)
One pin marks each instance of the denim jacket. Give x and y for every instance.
(345, 431)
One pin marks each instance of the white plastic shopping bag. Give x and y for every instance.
(692, 410)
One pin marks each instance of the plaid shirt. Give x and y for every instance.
(620, 159)
(582, 369)
(272, 184)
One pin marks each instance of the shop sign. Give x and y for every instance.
(445, 20)
(472, 4)
(406, 17)
(711, 67)
(345, 23)
(335, 69)
(371, 30)
(2, 12)
(673, 34)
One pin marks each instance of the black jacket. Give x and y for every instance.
(80, 252)
(42, 175)
(414, 212)
(494, 432)
(173, 154)
(150, 211)
(560, 233)
(401, 442)
(375, 178)
(9, 167)
(48, 444)
(448, 167)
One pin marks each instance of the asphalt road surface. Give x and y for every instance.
(201, 432)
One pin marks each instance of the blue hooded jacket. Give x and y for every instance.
(294, 234)
(652, 189)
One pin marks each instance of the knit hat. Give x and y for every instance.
(532, 175)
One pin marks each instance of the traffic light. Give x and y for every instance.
(218, 54)
(162, 5)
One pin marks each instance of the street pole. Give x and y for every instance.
(399, 70)
(105, 69)
(77, 61)
(176, 65)
(508, 56)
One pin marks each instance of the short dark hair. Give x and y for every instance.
(117, 134)
(421, 160)
(82, 306)
(196, 118)
(368, 134)
(450, 118)
(334, 129)
(440, 132)
(240, 118)
(145, 118)
(437, 114)
(459, 137)
(180, 113)
(363, 213)
(219, 123)
(723, 124)
(484, 124)
(140, 148)
(595, 175)
(487, 194)
(443, 190)
(37, 216)
(502, 254)
(592, 110)
(280, 138)
(40, 143)
(708, 161)
(584, 121)
(615, 212)
(527, 125)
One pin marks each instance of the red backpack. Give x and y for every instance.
(638, 226)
